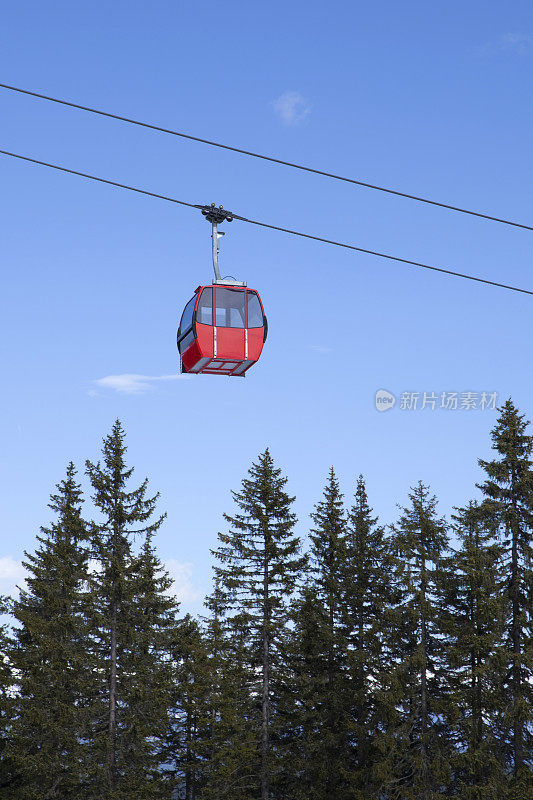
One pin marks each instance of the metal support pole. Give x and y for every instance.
(215, 235)
(215, 216)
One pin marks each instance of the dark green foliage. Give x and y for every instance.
(212, 741)
(50, 656)
(258, 567)
(185, 746)
(377, 667)
(419, 757)
(367, 575)
(472, 620)
(304, 703)
(133, 631)
(324, 754)
(147, 686)
(232, 715)
(508, 490)
(199, 680)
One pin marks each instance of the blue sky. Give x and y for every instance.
(433, 99)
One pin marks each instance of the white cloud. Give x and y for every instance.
(291, 107)
(181, 574)
(134, 384)
(12, 574)
(317, 348)
(516, 43)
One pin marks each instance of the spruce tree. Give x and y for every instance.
(133, 627)
(231, 713)
(204, 747)
(50, 656)
(258, 567)
(418, 759)
(148, 675)
(303, 707)
(471, 620)
(324, 693)
(508, 491)
(367, 576)
(186, 741)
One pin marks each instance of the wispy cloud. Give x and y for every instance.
(291, 107)
(517, 42)
(318, 348)
(511, 43)
(180, 572)
(12, 574)
(130, 383)
(183, 588)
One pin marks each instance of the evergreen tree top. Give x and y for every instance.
(260, 547)
(515, 446)
(109, 480)
(508, 488)
(360, 514)
(69, 495)
(262, 499)
(510, 440)
(262, 495)
(329, 517)
(419, 531)
(60, 554)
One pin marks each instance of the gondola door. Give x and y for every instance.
(229, 323)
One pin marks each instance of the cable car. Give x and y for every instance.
(222, 330)
(223, 326)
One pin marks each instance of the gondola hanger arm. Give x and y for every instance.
(215, 215)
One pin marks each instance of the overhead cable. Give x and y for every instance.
(272, 159)
(290, 231)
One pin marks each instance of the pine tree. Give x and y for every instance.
(148, 675)
(303, 706)
(369, 598)
(471, 620)
(258, 567)
(50, 656)
(231, 709)
(197, 740)
(325, 764)
(419, 757)
(133, 628)
(188, 739)
(508, 492)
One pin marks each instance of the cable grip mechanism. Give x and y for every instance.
(215, 215)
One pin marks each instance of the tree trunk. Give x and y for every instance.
(188, 768)
(265, 704)
(361, 687)
(332, 722)
(423, 687)
(477, 699)
(111, 765)
(516, 677)
(518, 746)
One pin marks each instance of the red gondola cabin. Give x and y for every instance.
(222, 330)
